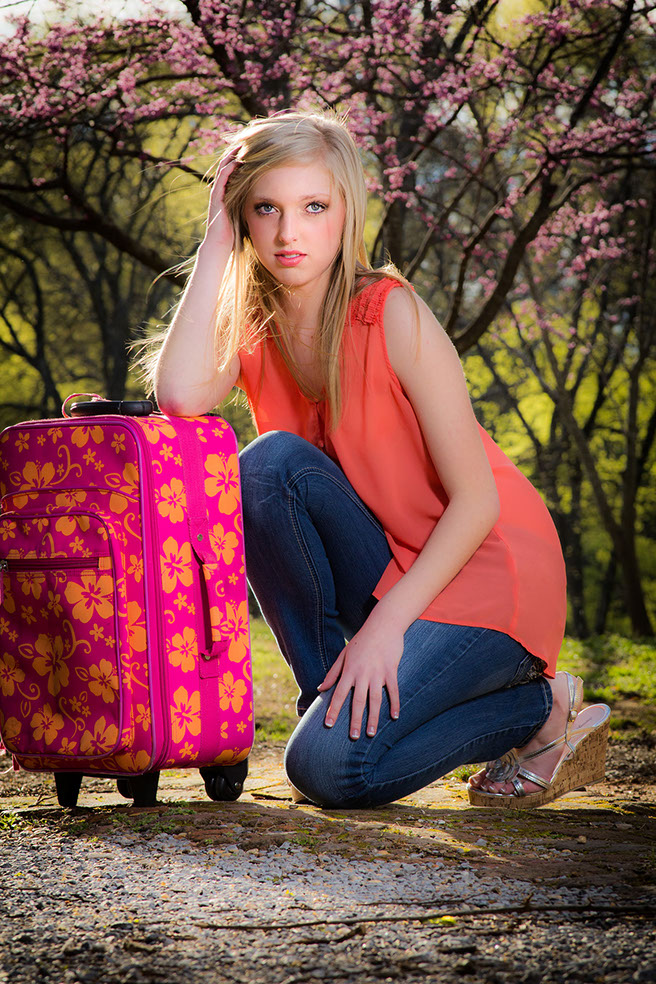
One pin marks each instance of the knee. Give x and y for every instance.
(319, 769)
(273, 455)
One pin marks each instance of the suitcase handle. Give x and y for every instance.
(92, 405)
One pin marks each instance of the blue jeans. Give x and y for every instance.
(314, 554)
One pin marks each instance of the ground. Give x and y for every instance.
(263, 890)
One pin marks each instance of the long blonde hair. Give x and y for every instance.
(250, 300)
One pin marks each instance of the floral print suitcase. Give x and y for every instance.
(124, 640)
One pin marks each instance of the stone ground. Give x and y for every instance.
(266, 891)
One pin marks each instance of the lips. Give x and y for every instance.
(290, 258)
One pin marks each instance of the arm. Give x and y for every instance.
(429, 370)
(187, 379)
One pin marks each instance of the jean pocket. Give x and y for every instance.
(530, 668)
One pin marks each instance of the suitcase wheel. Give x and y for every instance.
(225, 782)
(68, 785)
(142, 790)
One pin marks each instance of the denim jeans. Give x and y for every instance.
(314, 554)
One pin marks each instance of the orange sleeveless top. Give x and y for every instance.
(515, 581)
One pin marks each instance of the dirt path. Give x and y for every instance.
(262, 890)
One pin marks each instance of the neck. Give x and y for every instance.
(303, 311)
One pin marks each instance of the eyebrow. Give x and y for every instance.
(305, 198)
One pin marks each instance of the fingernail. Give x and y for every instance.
(395, 717)
(329, 722)
(371, 732)
(355, 734)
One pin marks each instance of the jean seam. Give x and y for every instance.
(355, 499)
(305, 550)
(316, 581)
(462, 754)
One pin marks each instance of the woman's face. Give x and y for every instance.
(295, 218)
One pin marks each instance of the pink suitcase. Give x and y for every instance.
(124, 641)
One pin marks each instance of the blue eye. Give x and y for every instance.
(316, 208)
(264, 208)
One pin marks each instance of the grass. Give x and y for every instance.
(616, 670)
(273, 685)
(620, 672)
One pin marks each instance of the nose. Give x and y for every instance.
(287, 229)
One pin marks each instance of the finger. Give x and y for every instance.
(394, 699)
(357, 710)
(339, 696)
(332, 676)
(375, 700)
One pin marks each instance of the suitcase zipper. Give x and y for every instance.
(19, 564)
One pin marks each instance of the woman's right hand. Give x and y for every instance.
(219, 227)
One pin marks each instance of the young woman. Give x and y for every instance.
(376, 510)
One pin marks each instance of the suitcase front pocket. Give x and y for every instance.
(60, 665)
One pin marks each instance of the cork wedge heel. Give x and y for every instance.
(582, 761)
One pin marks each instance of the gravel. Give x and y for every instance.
(140, 906)
(192, 892)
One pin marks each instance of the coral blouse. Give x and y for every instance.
(515, 581)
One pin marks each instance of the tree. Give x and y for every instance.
(485, 139)
(469, 123)
(586, 330)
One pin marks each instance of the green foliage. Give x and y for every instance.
(614, 667)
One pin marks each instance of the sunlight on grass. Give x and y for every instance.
(617, 671)
(273, 686)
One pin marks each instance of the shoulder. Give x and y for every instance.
(370, 296)
(414, 338)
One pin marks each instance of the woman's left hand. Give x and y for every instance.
(367, 663)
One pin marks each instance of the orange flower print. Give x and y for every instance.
(224, 544)
(51, 662)
(231, 692)
(70, 498)
(36, 477)
(136, 627)
(223, 481)
(92, 597)
(187, 751)
(235, 626)
(45, 724)
(224, 730)
(8, 602)
(10, 674)
(142, 716)
(22, 441)
(176, 565)
(118, 442)
(10, 728)
(185, 714)
(184, 650)
(117, 501)
(68, 747)
(54, 604)
(31, 582)
(103, 681)
(135, 567)
(156, 429)
(102, 740)
(80, 436)
(27, 614)
(8, 531)
(173, 501)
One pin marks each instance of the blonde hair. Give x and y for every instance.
(250, 300)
